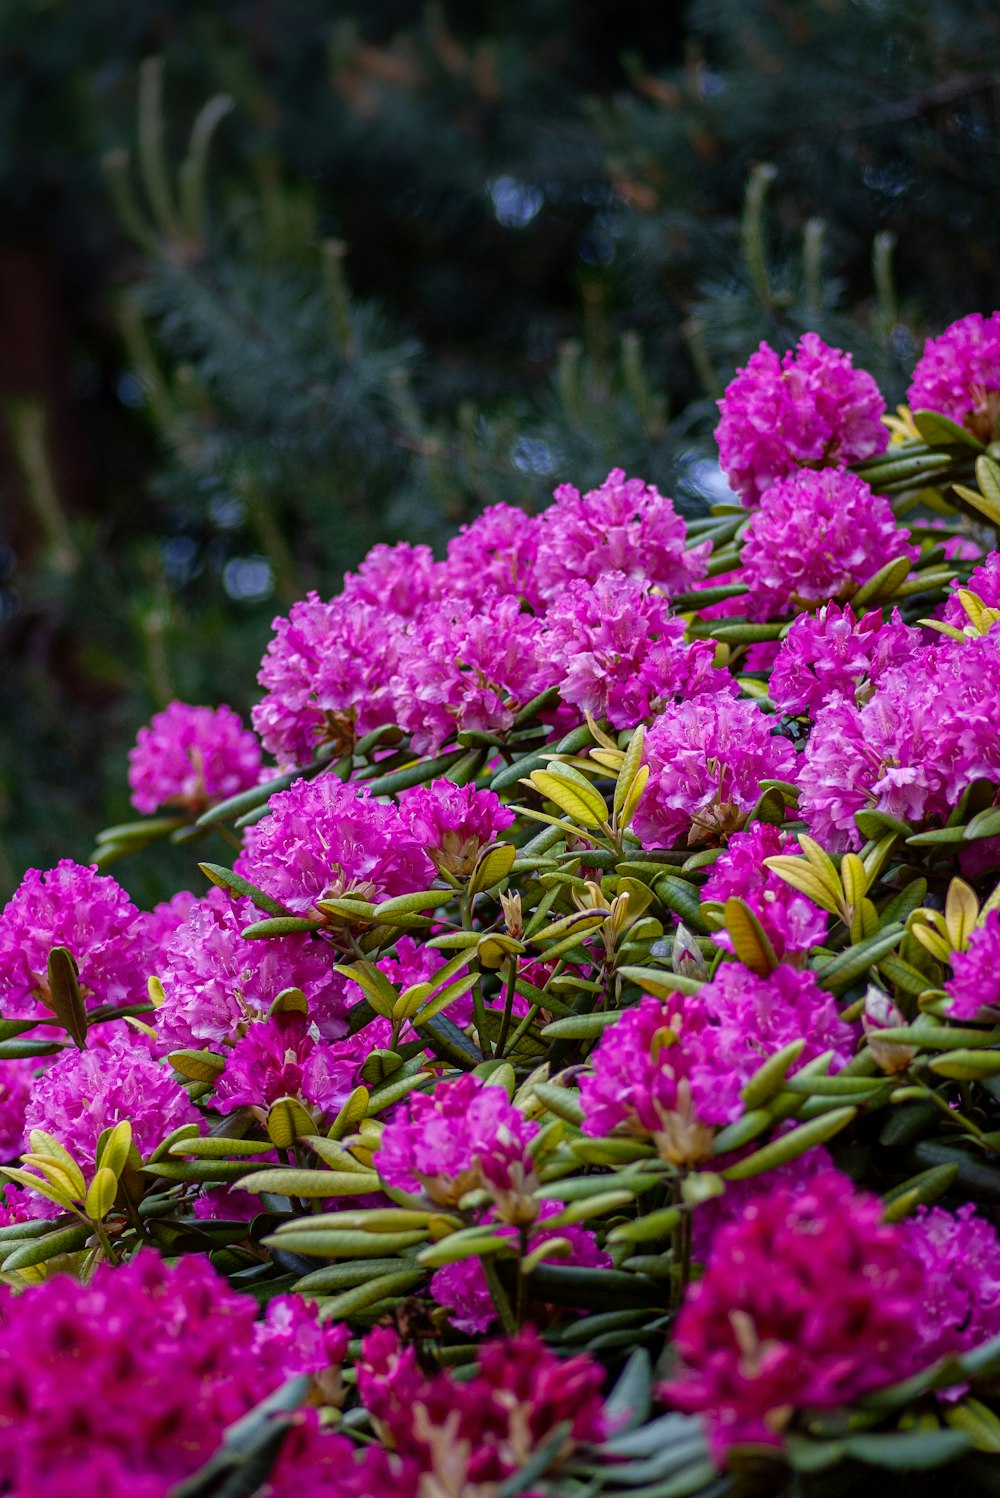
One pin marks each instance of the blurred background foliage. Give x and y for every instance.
(278, 281)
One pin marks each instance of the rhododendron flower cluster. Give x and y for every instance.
(958, 375)
(191, 757)
(674, 1068)
(815, 537)
(833, 654)
(82, 1093)
(482, 1431)
(924, 736)
(623, 880)
(974, 984)
(707, 758)
(169, 1356)
(92, 917)
(808, 409)
(462, 1136)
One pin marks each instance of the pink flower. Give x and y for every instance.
(284, 1056)
(88, 913)
(462, 1136)
(469, 1436)
(808, 1301)
(706, 759)
(674, 1068)
(327, 674)
(958, 375)
(960, 1254)
(452, 823)
(467, 666)
(400, 579)
(171, 1357)
(925, 735)
(215, 983)
(818, 536)
(82, 1093)
(626, 526)
(792, 924)
(164, 919)
(192, 757)
(462, 1289)
(833, 654)
(809, 409)
(620, 653)
(16, 1083)
(324, 839)
(497, 551)
(975, 981)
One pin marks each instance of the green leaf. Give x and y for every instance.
(907, 1450)
(197, 1066)
(881, 587)
(310, 1184)
(848, 966)
(581, 1026)
(101, 1195)
(965, 1065)
(492, 866)
(417, 773)
(287, 1121)
(280, 925)
(561, 1101)
(984, 824)
(940, 431)
(584, 804)
(750, 942)
(790, 1146)
(65, 1240)
(767, 1079)
(65, 999)
(224, 878)
(631, 1400)
(331, 1243)
(659, 982)
(341, 1307)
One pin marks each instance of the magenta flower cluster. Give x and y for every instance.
(958, 375)
(191, 757)
(808, 409)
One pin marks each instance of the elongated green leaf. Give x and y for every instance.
(310, 1184)
(790, 1146)
(224, 878)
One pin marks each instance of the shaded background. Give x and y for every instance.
(419, 259)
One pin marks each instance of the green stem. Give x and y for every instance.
(478, 1003)
(508, 1005)
(954, 1115)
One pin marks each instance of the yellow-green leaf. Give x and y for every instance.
(748, 937)
(803, 876)
(961, 912)
(113, 1147)
(46, 1144)
(101, 1196)
(584, 804)
(288, 1121)
(493, 865)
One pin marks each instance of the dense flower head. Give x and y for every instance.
(324, 838)
(82, 1093)
(471, 1435)
(191, 757)
(832, 654)
(216, 983)
(462, 1136)
(326, 674)
(674, 1068)
(284, 1056)
(958, 375)
(792, 924)
(16, 1084)
(809, 409)
(960, 1253)
(808, 1301)
(625, 525)
(467, 666)
(706, 760)
(169, 1357)
(399, 579)
(164, 920)
(462, 1287)
(621, 653)
(974, 984)
(90, 914)
(497, 550)
(926, 734)
(453, 822)
(818, 536)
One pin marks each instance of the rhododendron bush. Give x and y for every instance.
(583, 1077)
